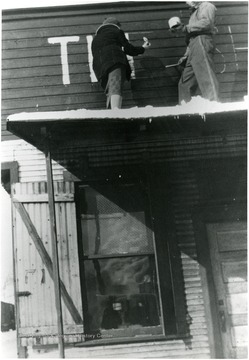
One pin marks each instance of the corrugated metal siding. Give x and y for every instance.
(37, 311)
(32, 72)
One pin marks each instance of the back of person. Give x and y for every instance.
(107, 49)
(105, 36)
(110, 64)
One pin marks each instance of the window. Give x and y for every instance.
(122, 290)
(9, 174)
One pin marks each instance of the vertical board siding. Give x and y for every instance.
(38, 309)
(32, 78)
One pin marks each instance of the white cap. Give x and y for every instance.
(174, 21)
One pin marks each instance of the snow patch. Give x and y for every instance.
(197, 105)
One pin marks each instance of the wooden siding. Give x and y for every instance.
(31, 161)
(32, 70)
(228, 249)
(37, 313)
(30, 270)
(178, 157)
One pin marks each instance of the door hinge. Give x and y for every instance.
(23, 293)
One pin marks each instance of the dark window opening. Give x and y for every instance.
(9, 175)
(5, 179)
(123, 279)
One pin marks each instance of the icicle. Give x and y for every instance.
(203, 117)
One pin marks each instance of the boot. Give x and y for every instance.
(116, 101)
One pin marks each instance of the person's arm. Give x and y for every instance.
(184, 57)
(206, 20)
(129, 49)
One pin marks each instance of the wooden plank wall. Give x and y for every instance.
(31, 162)
(185, 194)
(37, 311)
(31, 66)
(30, 270)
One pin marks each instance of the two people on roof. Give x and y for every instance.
(110, 47)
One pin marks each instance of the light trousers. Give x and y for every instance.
(199, 77)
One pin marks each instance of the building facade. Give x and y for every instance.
(150, 209)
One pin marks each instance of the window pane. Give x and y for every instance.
(122, 296)
(108, 228)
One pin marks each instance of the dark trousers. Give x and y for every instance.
(198, 77)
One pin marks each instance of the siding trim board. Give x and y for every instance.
(57, 11)
(100, 8)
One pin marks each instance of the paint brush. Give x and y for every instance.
(168, 66)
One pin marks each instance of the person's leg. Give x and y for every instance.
(187, 86)
(114, 88)
(203, 66)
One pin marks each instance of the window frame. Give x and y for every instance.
(179, 328)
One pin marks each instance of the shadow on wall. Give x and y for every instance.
(155, 85)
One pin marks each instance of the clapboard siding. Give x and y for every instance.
(32, 166)
(32, 74)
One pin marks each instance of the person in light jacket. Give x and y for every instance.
(110, 64)
(198, 76)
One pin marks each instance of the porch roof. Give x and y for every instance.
(92, 127)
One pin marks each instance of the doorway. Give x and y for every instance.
(228, 256)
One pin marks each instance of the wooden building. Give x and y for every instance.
(149, 202)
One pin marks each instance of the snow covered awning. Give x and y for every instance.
(88, 127)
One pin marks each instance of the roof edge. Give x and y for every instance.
(197, 106)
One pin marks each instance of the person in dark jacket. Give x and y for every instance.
(110, 64)
(199, 73)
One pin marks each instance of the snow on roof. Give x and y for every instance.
(197, 105)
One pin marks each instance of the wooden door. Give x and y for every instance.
(227, 242)
(36, 315)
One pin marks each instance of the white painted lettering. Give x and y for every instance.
(63, 41)
(89, 39)
(131, 62)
